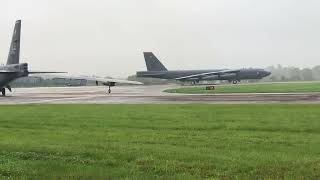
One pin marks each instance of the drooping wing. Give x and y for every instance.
(199, 76)
(33, 72)
(45, 72)
(6, 72)
(104, 81)
(120, 81)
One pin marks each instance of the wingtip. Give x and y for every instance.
(135, 82)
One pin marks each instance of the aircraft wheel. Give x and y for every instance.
(3, 91)
(235, 82)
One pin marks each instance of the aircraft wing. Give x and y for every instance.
(45, 72)
(112, 82)
(6, 71)
(120, 81)
(199, 76)
(32, 72)
(104, 81)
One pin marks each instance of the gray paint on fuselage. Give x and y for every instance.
(242, 74)
(5, 79)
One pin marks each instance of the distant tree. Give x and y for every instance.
(294, 74)
(316, 72)
(273, 78)
(279, 66)
(307, 74)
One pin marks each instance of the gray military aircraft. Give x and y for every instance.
(13, 69)
(155, 69)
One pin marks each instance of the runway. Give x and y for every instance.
(144, 95)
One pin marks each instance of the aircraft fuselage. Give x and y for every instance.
(240, 75)
(13, 71)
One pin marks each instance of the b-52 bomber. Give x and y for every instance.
(155, 69)
(14, 69)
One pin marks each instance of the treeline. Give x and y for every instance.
(280, 74)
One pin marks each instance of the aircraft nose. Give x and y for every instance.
(267, 73)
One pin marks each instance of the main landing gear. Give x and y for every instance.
(234, 81)
(194, 83)
(109, 84)
(3, 91)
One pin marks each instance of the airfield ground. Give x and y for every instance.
(147, 95)
(142, 136)
(295, 87)
(160, 141)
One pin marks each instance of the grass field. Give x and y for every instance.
(253, 88)
(160, 141)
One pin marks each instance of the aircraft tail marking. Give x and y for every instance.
(152, 62)
(14, 52)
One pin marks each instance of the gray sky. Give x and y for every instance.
(108, 37)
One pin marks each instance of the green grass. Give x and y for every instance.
(253, 88)
(160, 141)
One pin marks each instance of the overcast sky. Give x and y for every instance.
(108, 37)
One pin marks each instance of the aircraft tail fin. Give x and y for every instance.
(152, 62)
(14, 52)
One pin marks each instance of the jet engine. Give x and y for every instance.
(228, 76)
(220, 76)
